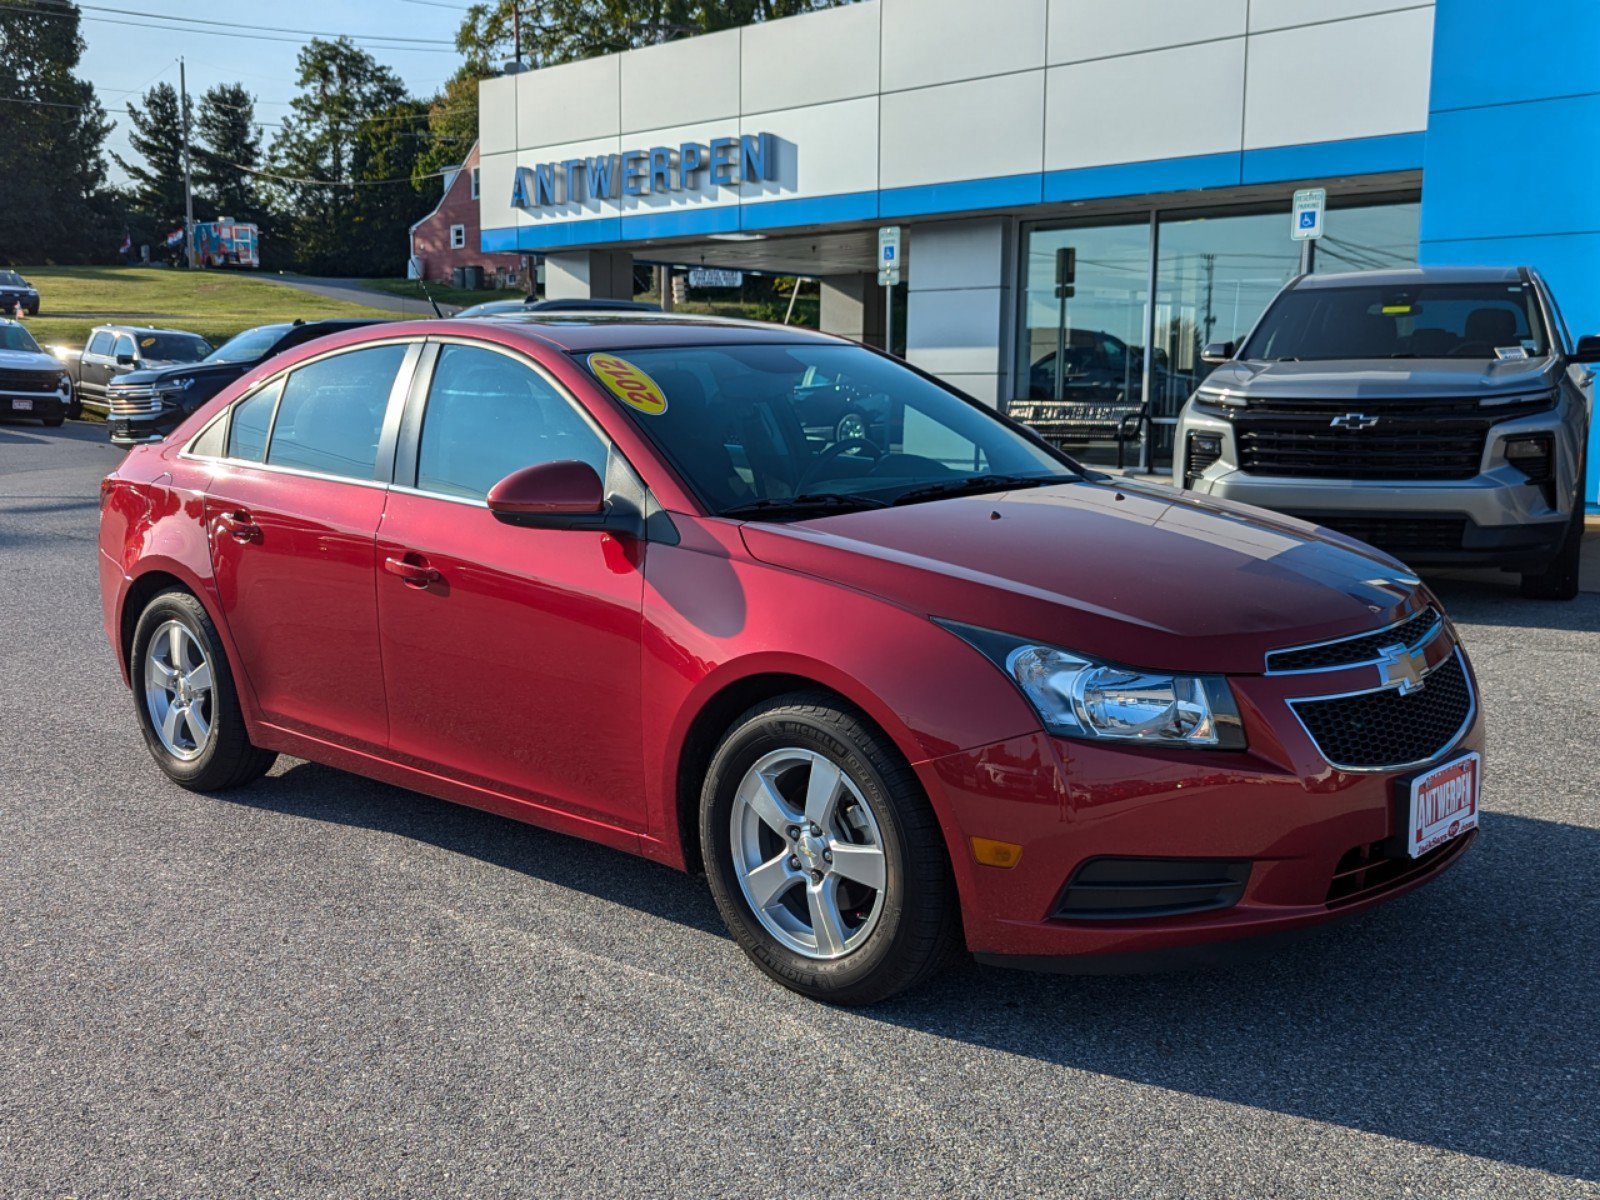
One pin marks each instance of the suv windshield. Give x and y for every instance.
(15, 337)
(249, 345)
(804, 429)
(11, 279)
(1426, 320)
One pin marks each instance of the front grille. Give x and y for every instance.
(1412, 633)
(133, 401)
(1112, 889)
(1382, 729)
(1372, 869)
(25, 383)
(1400, 536)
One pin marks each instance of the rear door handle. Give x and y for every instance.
(240, 526)
(412, 569)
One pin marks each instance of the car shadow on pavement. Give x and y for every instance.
(1464, 1016)
(1485, 600)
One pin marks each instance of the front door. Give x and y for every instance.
(511, 654)
(292, 519)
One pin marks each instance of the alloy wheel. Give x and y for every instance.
(178, 690)
(808, 853)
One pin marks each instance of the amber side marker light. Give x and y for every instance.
(995, 854)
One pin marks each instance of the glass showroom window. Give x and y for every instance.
(1084, 353)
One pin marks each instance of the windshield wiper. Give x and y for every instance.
(806, 502)
(978, 483)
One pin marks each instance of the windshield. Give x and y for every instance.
(784, 430)
(1428, 320)
(249, 345)
(11, 279)
(15, 337)
(171, 347)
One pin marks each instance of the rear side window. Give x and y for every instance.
(489, 415)
(100, 343)
(252, 418)
(332, 411)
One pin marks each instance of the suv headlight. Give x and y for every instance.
(1078, 696)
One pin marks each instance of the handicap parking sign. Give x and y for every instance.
(1306, 222)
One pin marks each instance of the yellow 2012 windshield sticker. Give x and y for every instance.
(629, 384)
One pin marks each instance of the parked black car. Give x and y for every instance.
(145, 406)
(15, 290)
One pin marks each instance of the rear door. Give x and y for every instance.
(94, 368)
(292, 517)
(511, 654)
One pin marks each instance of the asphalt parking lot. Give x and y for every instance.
(322, 986)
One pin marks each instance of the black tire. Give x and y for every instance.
(918, 927)
(74, 405)
(1559, 581)
(227, 759)
(53, 422)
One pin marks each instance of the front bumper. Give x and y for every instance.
(47, 406)
(134, 431)
(1279, 808)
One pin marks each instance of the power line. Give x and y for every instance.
(344, 183)
(138, 12)
(374, 43)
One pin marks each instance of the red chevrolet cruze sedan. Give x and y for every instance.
(914, 685)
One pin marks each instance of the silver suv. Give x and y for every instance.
(1440, 414)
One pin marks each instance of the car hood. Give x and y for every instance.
(148, 375)
(1136, 574)
(27, 360)
(1384, 378)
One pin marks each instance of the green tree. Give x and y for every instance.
(320, 159)
(52, 140)
(156, 181)
(389, 146)
(453, 120)
(227, 151)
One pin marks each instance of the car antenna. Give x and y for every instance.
(423, 284)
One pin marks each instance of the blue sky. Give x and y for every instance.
(123, 60)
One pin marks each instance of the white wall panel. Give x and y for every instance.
(494, 191)
(568, 103)
(1345, 79)
(829, 55)
(1164, 104)
(938, 41)
(973, 130)
(680, 83)
(1085, 29)
(823, 150)
(497, 114)
(1279, 14)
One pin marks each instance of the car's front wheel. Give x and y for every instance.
(823, 854)
(184, 691)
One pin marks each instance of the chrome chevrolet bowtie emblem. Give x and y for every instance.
(1400, 668)
(1353, 421)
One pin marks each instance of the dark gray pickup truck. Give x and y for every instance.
(114, 350)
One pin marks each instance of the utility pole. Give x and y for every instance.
(188, 183)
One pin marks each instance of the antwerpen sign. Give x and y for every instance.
(725, 162)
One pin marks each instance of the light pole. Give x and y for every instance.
(188, 185)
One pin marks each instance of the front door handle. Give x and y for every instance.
(412, 569)
(240, 526)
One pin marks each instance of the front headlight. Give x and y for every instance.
(1078, 696)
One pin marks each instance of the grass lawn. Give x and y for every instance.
(214, 304)
(443, 293)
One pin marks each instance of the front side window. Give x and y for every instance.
(1424, 320)
(124, 348)
(489, 415)
(331, 413)
(779, 430)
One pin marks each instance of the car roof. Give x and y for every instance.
(616, 329)
(144, 329)
(1412, 277)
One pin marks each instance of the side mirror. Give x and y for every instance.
(553, 495)
(1217, 352)
(124, 360)
(1588, 350)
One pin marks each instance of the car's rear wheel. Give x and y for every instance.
(824, 855)
(1559, 581)
(184, 691)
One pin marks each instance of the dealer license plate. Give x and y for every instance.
(20, 405)
(1444, 804)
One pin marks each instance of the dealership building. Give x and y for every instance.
(1161, 141)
